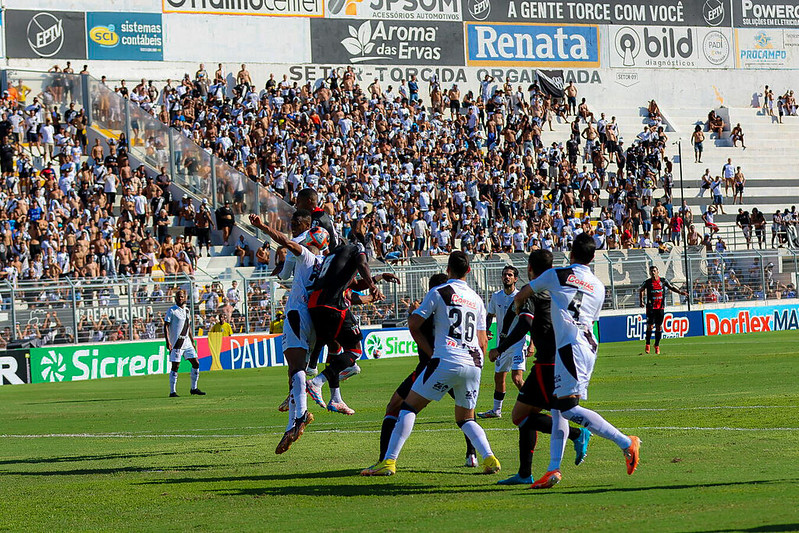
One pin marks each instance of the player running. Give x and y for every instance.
(460, 343)
(513, 359)
(536, 392)
(399, 396)
(655, 287)
(180, 344)
(577, 297)
(298, 334)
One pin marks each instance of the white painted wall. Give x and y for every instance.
(139, 6)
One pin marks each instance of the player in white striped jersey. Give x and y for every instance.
(458, 350)
(577, 297)
(298, 335)
(513, 359)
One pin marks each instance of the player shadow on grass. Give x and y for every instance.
(266, 477)
(601, 490)
(80, 401)
(111, 470)
(80, 458)
(774, 527)
(366, 487)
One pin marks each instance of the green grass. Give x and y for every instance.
(208, 463)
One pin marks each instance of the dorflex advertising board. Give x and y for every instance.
(620, 328)
(386, 42)
(765, 14)
(532, 45)
(45, 34)
(285, 8)
(615, 12)
(14, 367)
(767, 48)
(125, 36)
(395, 9)
(76, 363)
(670, 47)
(756, 319)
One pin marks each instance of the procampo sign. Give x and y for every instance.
(76, 363)
(756, 319)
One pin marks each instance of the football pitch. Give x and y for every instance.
(718, 417)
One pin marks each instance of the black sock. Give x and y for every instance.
(499, 396)
(543, 423)
(527, 442)
(385, 434)
(469, 447)
(648, 336)
(658, 335)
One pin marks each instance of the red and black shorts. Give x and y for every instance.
(333, 324)
(539, 387)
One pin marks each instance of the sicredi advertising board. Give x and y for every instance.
(45, 34)
(125, 36)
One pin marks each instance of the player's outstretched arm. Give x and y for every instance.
(415, 326)
(521, 297)
(276, 236)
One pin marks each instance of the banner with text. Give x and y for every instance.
(45, 34)
(125, 36)
(620, 328)
(532, 45)
(670, 47)
(765, 13)
(395, 9)
(614, 12)
(14, 367)
(767, 48)
(388, 42)
(736, 320)
(275, 8)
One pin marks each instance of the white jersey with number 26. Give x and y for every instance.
(577, 297)
(459, 313)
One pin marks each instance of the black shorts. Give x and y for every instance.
(539, 387)
(405, 387)
(203, 236)
(654, 317)
(333, 324)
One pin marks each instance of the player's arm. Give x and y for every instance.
(489, 320)
(521, 297)
(166, 330)
(641, 291)
(415, 326)
(276, 236)
(523, 326)
(672, 288)
(361, 284)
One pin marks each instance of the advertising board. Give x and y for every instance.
(237, 352)
(755, 319)
(670, 47)
(767, 48)
(395, 9)
(534, 45)
(284, 8)
(14, 367)
(621, 328)
(77, 363)
(125, 36)
(386, 42)
(389, 342)
(45, 34)
(765, 14)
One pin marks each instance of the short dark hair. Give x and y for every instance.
(308, 195)
(436, 280)
(583, 249)
(512, 269)
(540, 261)
(301, 214)
(458, 264)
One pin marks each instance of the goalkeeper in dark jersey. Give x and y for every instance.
(536, 393)
(654, 289)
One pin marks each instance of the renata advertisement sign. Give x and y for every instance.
(622, 328)
(756, 319)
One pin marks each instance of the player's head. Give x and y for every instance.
(300, 222)
(458, 265)
(510, 275)
(539, 262)
(583, 249)
(436, 280)
(180, 297)
(317, 240)
(654, 272)
(307, 199)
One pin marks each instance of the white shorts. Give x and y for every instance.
(298, 330)
(441, 376)
(512, 359)
(175, 356)
(574, 364)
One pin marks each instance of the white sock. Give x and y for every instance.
(319, 380)
(195, 377)
(298, 391)
(335, 395)
(477, 435)
(498, 405)
(400, 434)
(291, 411)
(173, 381)
(557, 442)
(597, 425)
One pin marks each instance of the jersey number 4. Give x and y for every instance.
(468, 319)
(575, 304)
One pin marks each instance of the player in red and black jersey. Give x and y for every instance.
(399, 396)
(655, 289)
(537, 391)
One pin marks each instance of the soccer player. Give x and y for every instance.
(180, 343)
(655, 287)
(460, 344)
(577, 297)
(536, 392)
(513, 359)
(297, 328)
(399, 396)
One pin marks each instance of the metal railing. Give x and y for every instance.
(75, 310)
